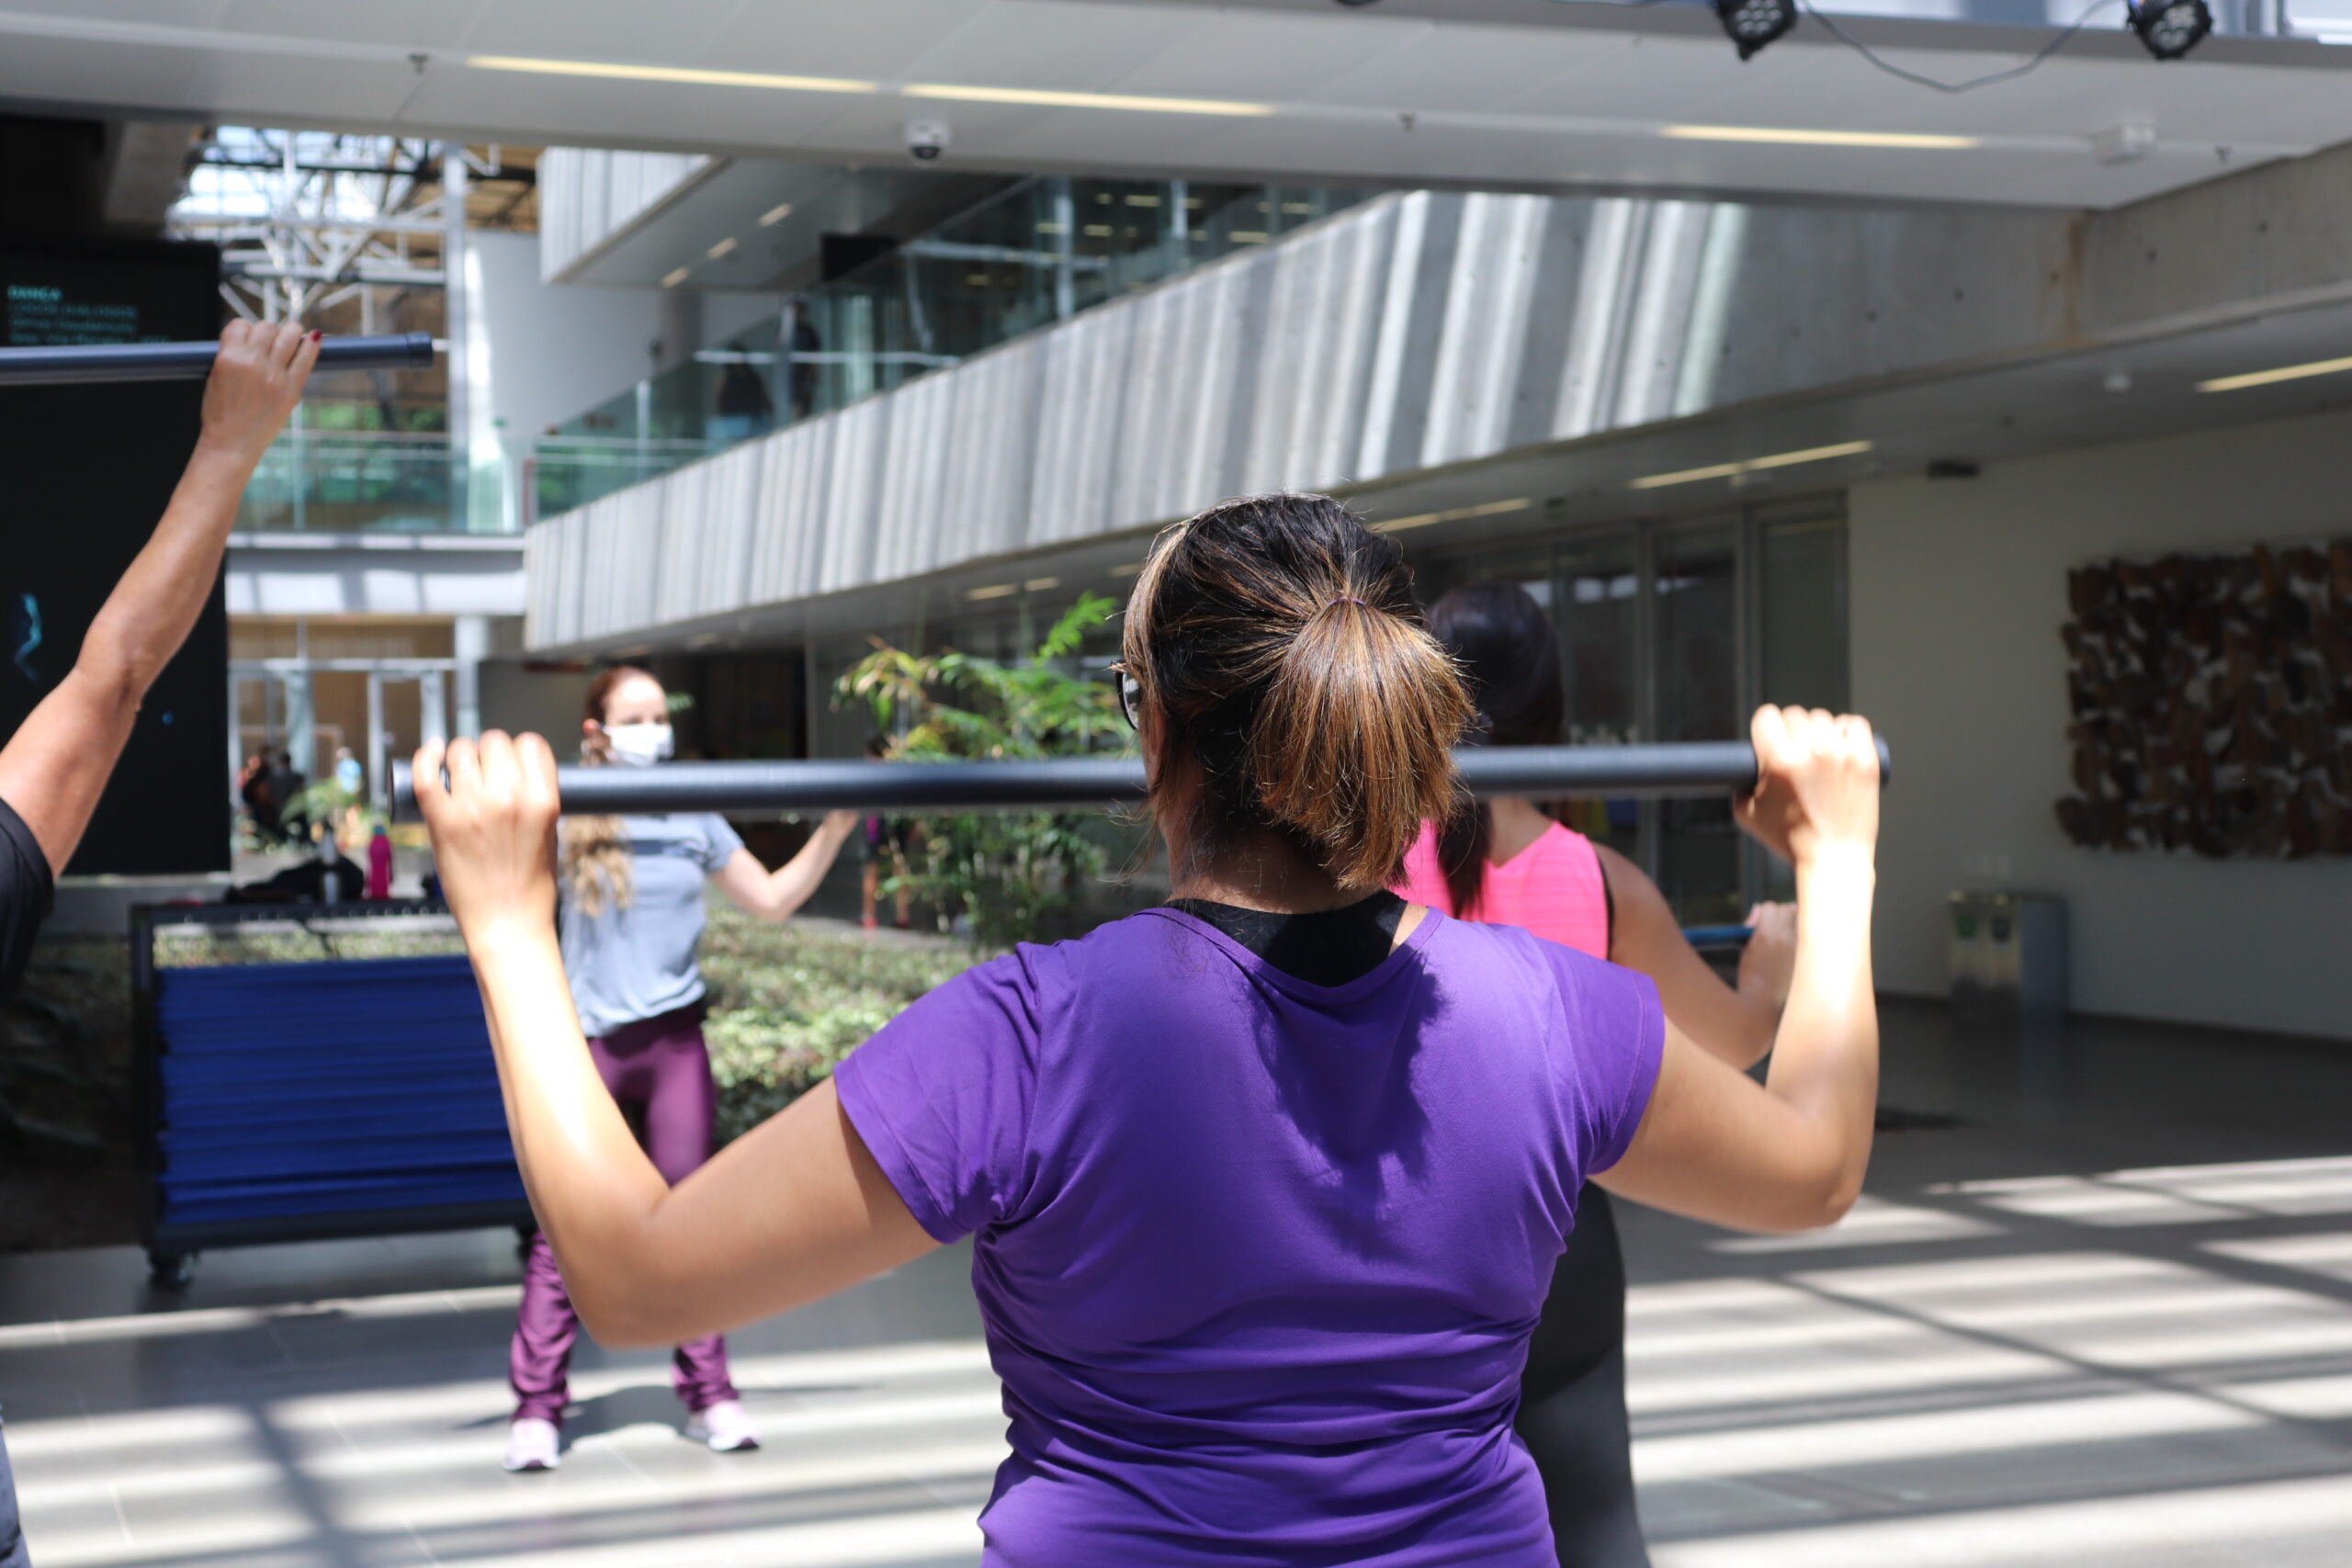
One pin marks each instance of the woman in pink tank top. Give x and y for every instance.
(1506, 862)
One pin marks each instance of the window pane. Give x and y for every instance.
(1597, 593)
(1697, 600)
(1804, 614)
(1803, 611)
(1596, 606)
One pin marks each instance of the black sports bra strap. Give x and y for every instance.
(1328, 947)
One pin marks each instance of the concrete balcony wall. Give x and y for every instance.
(1418, 330)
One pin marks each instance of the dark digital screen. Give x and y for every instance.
(89, 471)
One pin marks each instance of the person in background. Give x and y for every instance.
(253, 789)
(881, 840)
(350, 785)
(806, 376)
(379, 863)
(285, 784)
(1265, 1185)
(56, 765)
(631, 919)
(1504, 861)
(743, 407)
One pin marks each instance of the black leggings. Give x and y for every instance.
(12, 1538)
(1572, 1399)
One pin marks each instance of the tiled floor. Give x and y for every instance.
(2106, 1320)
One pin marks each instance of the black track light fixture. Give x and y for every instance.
(1752, 24)
(2169, 29)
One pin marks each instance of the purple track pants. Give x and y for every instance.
(660, 1072)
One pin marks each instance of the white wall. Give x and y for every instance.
(1959, 591)
(555, 350)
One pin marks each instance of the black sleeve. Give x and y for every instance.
(26, 890)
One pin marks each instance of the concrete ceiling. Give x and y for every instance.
(1489, 93)
(736, 199)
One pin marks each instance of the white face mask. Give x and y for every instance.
(640, 745)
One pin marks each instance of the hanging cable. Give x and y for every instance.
(2064, 36)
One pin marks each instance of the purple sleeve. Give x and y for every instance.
(942, 1097)
(1616, 1038)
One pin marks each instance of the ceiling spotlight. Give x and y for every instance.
(2170, 28)
(1752, 24)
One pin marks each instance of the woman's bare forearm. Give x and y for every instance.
(1825, 1055)
(591, 1187)
(155, 605)
(1789, 1155)
(797, 878)
(777, 894)
(56, 765)
(53, 769)
(1728, 1023)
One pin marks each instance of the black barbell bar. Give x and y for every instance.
(1691, 768)
(100, 362)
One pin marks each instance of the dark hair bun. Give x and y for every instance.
(1279, 639)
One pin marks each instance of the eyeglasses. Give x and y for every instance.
(1130, 696)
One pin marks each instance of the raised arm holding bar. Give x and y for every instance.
(193, 361)
(1695, 768)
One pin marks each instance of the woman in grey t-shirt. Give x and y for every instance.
(630, 917)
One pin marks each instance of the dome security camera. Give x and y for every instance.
(926, 140)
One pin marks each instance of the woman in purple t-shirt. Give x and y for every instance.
(1266, 1184)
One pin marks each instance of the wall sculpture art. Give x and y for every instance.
(2211, 703)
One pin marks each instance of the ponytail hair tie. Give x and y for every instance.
(1345, 599)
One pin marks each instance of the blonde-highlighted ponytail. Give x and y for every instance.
(592, 852)
(1279, 639)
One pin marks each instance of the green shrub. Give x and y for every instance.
(65, 1049)
(298, 938)
(1010, 874)
(787, 1003)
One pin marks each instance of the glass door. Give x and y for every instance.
(1801, 636)
(405, 709)
(1596, 604)
(1696, 611)
(1674, 630)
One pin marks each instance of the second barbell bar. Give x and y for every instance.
(102, 362)
(1693, 768)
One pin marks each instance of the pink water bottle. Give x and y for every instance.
(380, 865)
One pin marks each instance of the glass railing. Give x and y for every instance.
(345, 481)
(354, 481)
(1030, 257)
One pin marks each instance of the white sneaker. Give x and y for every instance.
(726, 1427)
(531, 1444)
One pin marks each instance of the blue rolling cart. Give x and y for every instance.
(307, 1101)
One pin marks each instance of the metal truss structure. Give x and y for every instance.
(311, 221)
